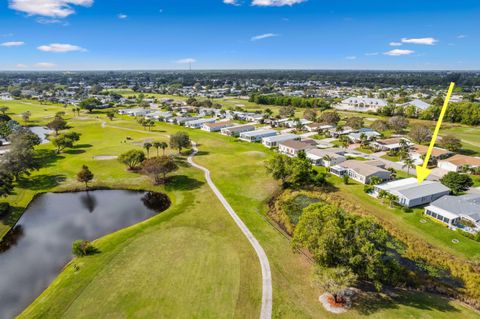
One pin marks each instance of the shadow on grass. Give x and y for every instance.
(41, 182)
(182, 182)
(48, 157)
(368, 303)
(467, 152)
(74, 151)
(78, 146)
(202, 153)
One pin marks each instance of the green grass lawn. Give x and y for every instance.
(391, 158)
(191, 260)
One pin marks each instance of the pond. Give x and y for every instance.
(41, 132)
(40, 245)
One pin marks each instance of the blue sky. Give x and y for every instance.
(239, 34)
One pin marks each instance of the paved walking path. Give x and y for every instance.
(266, 310)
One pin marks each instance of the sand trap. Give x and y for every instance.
(255, 154)
(324, 300)
(104, 157)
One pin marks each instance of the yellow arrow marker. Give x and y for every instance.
(423, 171)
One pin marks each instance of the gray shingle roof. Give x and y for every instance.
(467, 205)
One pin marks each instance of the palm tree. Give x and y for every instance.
(408, 163)
(163, 146)
(326, 158)
(156, 144)
(392, 199)
(147, 147)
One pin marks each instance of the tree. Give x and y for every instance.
(6, 184)
(279, 167)
(457, 182)
(420, 134)
(160, 145)
(159, 166)
(111, 115)
(147, 146)
(408, 163)
(81, 248)
(338, 239)
(334, 280)
(451, 143)
(90, 104)
(398, 123)
(355, 122)
(310, 115)
(379, 125)
(26, 116)
(4, 109)
(345, 179)
(21, 159)
(57, 124)
(85, 176)
(329, 117)
(65, 140)
(287, 111)
(179, 141)
(132, 158)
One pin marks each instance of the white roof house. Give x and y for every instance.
(272, 141)
(451, 209)
(198, 123)
(325, 158)
(256, 136)
(419, 104)
(236, 130)
(361, 104)
(411, 194)
(216, 126)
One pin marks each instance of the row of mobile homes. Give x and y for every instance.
(325, 158)
(256, 136)
(235, 131)
(273, 141)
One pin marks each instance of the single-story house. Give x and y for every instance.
(361, 104)
(273, 141)
(390, 144)
(318, 127)
(325, 158)
(199, 123)
(235, 131)
(410, 194)
(457, 162)
(417, 151)
(356, 137)
(135, 112)
(159, 115)
(361, 171)
(419, 104)
(452, 209)
(293, 147)
(256, 136)
(336, 132)
(294, 123)
(180, 120)
(216, 127)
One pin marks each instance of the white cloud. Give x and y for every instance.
(21, 66)
(461, 36)
(395, 44)
(398, 52)
(45, 65)
(122, 16)
(42, 20)
(186, 61)
(371, 53)
(231, 2)
(276, 3)
(263, 36)
(12, 44)
(351, 57)
(60, 48)
(425, 41)
(48, 8)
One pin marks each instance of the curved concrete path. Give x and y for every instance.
(266, 309)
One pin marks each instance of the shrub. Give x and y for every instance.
(156, 201)
(5, 209)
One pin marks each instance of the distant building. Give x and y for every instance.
(216, 127)
(419, 104)
(361, 104)
(389, 144)
(198, 123)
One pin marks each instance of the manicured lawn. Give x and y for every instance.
(391, 158)
(468, 135)
(190, 261)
